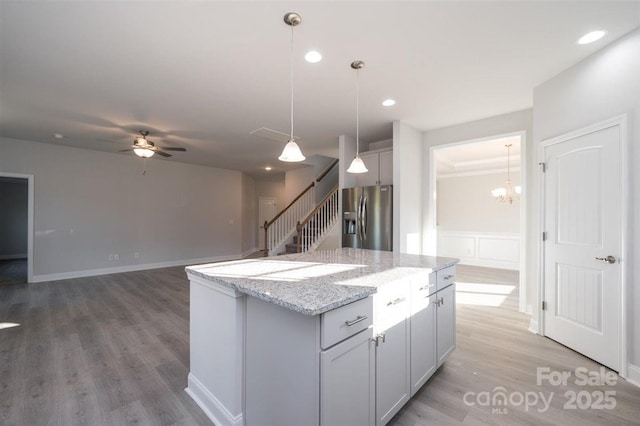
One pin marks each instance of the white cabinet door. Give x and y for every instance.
(371, 160)
(423, 338)
(386, 168)
(347, 389)
(393, 381)
(446, 322)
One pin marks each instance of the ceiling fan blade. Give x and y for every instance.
(164, 154)
(126, 150)
(174, 149)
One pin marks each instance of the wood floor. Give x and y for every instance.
(13, 271)
(114, 350)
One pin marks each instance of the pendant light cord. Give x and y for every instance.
(291, 82)
(357, 112)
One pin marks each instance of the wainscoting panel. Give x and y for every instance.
(481, 249)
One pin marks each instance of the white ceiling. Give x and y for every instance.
(202, 75)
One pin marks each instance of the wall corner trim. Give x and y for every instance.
(633, 374)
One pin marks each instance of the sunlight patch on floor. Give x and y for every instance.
(4, 325)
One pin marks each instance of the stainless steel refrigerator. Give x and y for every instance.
(367, 215)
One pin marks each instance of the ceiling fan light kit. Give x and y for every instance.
(144, 148)
(357, 165)
(291, 152)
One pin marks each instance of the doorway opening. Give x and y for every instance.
(472, 223)
(16, 228)
(267, 210)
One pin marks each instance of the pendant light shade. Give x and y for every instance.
(357, 165)
(291, 152)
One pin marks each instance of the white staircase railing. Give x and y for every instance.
(282, 227)
(318, 222)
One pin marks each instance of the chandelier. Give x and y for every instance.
(509, 193)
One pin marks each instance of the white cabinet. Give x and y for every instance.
(347, 382)
(433, 325)
(393, 345)
(446, 322)
(385, 169)
(424, 357)
(380, 166)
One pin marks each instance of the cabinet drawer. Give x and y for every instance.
(445, 277)
(420, 292)
(345, 321)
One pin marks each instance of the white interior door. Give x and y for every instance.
(267, 209)
(583, 225)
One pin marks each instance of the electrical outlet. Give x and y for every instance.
(136, 255)
(116, 257)
(111, 257)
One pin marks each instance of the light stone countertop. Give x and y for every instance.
(316, 282)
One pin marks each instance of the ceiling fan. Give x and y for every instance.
(145, 148)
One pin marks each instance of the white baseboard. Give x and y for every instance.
(211, 406)
(13, 256)
(633, 374)
(533, 326)
(130, 268)
(250, 251)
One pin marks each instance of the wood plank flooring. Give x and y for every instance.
(13, 271)
(114, 350)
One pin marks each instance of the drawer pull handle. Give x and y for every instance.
(440, 302)
(448, 277)
(358, 319)
(426, 287)
(396, 301)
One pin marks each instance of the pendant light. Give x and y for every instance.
(357, 165)
(291, 152)
(508, 194)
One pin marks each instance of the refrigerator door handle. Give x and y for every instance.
(359, 219)
(364, 218)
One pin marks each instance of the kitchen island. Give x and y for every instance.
(334, 337)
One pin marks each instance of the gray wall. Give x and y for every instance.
(457, 195)
(296, 180)
(249, 214)
(91, 204)
(13, 218)
(604, 85)
(408, 187)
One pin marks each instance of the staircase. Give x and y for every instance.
(301, 225)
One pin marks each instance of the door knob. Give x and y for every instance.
(608, 259)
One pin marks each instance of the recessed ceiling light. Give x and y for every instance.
(313, 56)
(388, 102)
(592, 36)
(58, 136)
(268, 168)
